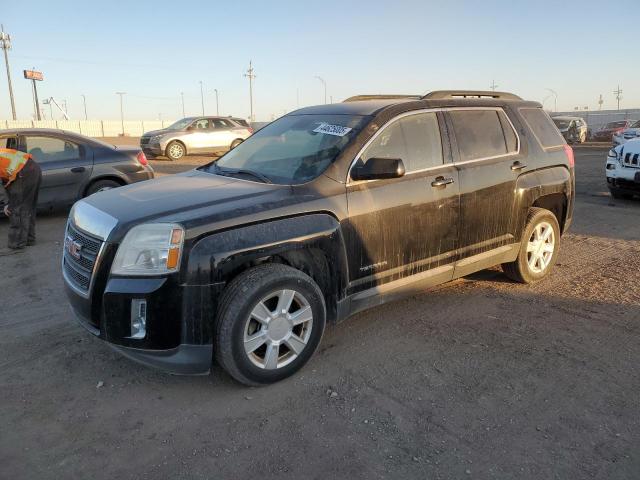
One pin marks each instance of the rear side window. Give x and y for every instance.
(414, 139)
(542, 127)
(480, 134)
(241, 122)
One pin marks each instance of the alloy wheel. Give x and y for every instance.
(176, 150)
(278, 329)
(541, 246)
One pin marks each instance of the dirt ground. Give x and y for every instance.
(479, 378)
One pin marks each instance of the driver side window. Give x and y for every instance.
(202, 124)
(414, 139)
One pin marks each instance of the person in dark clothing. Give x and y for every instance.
(21, 177)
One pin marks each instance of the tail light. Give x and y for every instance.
(142, 159)
(569, 153)
(250, 130)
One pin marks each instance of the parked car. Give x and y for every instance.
(623, 169)
(325, 212)
(74, 166)
(606, 133)
(193, 135)
(573, 129)
(627, 134)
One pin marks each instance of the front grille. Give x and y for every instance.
(79, 269)
(631, 160)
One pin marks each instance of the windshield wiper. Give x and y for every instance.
(240, 171)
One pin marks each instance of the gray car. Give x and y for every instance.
(193, 135)
(74, 166)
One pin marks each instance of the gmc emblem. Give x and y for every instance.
(73, 247)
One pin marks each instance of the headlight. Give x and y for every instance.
(613, 155)
(149, 249)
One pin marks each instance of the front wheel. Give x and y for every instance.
(617, 194)
(102, 186)
(270, 322)
(538, 249)
(175, 151)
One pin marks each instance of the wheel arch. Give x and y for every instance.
(93, 181)
(549, 188)
(310, 243)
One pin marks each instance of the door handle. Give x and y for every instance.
(516, 166)
(77, 169)
(441, 182)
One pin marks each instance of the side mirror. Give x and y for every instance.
(378, 168)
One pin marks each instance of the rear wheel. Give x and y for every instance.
(270, 322)
(175, 150)
(101, 186)
(617, 194)
(538, 250)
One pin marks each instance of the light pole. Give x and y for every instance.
(325, 88)
(493, 86)
(250, 75)
(555, 99)
(5, 44)
(122, 94)
(202, 97)
(182, 96)
(217, 105)
(84, 102)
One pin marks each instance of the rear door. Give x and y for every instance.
(223, 133)
(489, 162)
(66, 167)
(403, 226)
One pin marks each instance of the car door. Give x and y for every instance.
(222, 135)
(66, 167)
(488, 158)
(401, 227)
(199, 138)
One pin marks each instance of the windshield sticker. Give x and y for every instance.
(329, 129)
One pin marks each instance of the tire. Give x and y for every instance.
(175, 150)
(235, 143)
(101, 186)
(618, 195)
(237, 322)
(533, 266)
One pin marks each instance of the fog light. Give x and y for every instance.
(138, 318)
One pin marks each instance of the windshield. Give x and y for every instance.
(292, 150)
(561, 124)
(611, 125)
(181, 124)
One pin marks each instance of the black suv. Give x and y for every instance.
(325, 212)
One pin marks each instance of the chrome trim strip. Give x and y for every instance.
(91, 220)
(350, 182)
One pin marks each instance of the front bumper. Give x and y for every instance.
(625, 179)
(154, 149)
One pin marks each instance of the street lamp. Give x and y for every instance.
(324, 84)
(122, 94)
(182, 96)
(217, 106)
(84, 101)
(555, 99)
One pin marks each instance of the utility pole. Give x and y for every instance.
(618, 94)
(202, 97)
(325, 88)
(84, 102)
(555, 99)
(182, 96)
(5, 44)
(122, 94)
(600, 102)
(250, 75)
(493, 86)
(217, 106)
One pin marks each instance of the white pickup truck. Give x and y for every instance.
(623, 169)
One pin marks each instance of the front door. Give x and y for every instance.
(66, 167)
(404, 226)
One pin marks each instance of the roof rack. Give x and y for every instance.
(449, 94)
(360, 98)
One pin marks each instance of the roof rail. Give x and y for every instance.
(448, 94)
(360, 98)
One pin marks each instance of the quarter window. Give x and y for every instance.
(414, 139)
(542, 126)
(49, 149)
(480, 134)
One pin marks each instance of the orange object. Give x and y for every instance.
(11, 162)
(172, 258)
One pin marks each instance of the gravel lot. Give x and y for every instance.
(480, 378)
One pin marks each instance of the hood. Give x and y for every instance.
(162, 131)
(632, 146)
(189, 198)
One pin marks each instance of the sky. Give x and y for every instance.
(153, 51)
